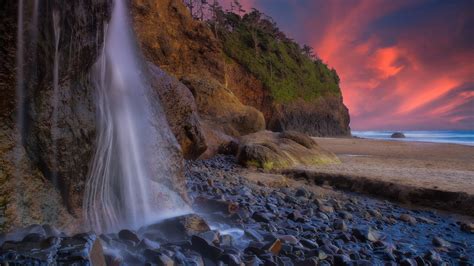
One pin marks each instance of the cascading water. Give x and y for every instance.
(55, 98)
(122, 191)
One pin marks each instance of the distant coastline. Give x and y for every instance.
(462, 137)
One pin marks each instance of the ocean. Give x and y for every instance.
(465, 137)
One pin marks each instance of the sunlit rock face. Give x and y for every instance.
(186, 47)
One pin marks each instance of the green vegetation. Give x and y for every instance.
(287, 69)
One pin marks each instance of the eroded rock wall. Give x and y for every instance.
(44, 170)
(185, 47)
(323, 116)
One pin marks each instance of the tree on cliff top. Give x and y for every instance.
(254, 41)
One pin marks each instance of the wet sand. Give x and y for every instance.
(446, 167)
(439, 176)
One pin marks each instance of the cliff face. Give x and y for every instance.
(44, 168)
(171, 39)
(291, 91)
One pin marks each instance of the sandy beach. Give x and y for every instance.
(448, 167)
(434, 175)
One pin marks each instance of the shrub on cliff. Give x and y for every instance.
(288, 70)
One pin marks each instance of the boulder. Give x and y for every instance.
(180, 227)
(181, 112)
(215, 205)
(219, 107)
(397, 135)
(218, 142)
(467, 227)
(271, 150)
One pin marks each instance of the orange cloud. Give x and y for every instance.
(399, 68)
(384, 61)
(462, 98)
(430, 92)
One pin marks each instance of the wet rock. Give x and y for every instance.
(181, 227)
(467, 227)
(275, 247)
(374, 213)
(113, 260)
(164, 260)
(148, 244)
(128, 235)
(180, 110)
(342, 260)
(345, 215)
(230, 259)
(51, 230)
(308, 262)
(419, 260)
(366, 233)
(433, 256)
(439, 242)
(261, 217)
(211, 237)
(254, 235)
(151, 255)
(33, 237)
(215, 205)
(408, 218)
(408, 262)
(301, 192)
(340, 225)
(205, 248)
(425, 220)
(296, 216)
(30, 252)
(81, 247)
(195, 259)
(326, 209)
(253, 261)
(308, 243)
(226, 240)
(288, 239)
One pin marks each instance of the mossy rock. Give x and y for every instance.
(271, 150)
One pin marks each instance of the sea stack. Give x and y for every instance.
(397, 135)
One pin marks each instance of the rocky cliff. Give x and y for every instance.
(171, 39)
(45, 156)
(49, 111)
(291, 90)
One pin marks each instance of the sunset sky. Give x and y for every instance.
(403, 64)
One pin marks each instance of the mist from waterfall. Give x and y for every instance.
(123, 188)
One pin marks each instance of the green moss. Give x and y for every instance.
(268, 165)
(321, 159)
(278, 62)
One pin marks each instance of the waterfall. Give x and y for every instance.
(55, 98)
(122, 190)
